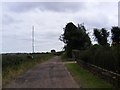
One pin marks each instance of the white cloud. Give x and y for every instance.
(49, 22)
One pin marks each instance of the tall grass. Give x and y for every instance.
(15, 65)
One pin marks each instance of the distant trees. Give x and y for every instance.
(53, 51)
(74, 38)
(101, 36)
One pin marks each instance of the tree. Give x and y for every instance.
(84, 39)
(53, 51)
(115, 35)
(69, 37)
(101, 36)
(74, 38)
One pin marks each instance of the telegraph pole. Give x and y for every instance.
(32, 39)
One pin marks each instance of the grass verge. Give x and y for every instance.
(15, 65)
(84, 78)
(66, 59)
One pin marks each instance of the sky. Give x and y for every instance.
(49, 19)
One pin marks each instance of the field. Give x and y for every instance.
(14, 65)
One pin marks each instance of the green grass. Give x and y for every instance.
(15, 65)
(84, 78)
(67, 59)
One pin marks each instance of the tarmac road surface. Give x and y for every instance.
(50, 74)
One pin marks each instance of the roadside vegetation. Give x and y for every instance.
(84, 78)
(14, 65)
(102, 56)
(105, 55)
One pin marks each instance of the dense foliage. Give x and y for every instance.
(15, 60)
(115, 35)
(102, 56)
(75, 38)
(101, 36)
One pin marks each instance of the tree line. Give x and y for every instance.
(75, 37)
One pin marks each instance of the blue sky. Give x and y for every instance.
(49, 19)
